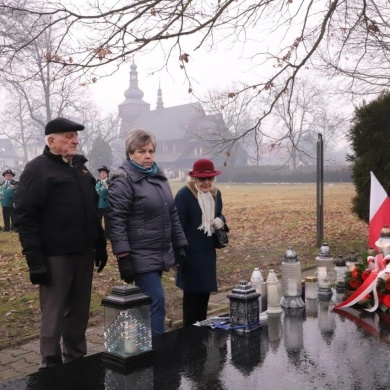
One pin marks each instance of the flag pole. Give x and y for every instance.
(320, 190)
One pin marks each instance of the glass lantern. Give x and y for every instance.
(311, 287)
(383, 242)
(273, 294)
(340, 268)
(127, 327)
(260, 285)
(325, 259)
(351, 260)
(324, 284)
(291, 281)
(244, 308)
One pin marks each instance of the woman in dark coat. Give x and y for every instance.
(144, 225)
(199, 204)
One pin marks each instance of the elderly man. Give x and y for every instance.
(58, 224)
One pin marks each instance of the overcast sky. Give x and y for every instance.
(217, 69)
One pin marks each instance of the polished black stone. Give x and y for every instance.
(302, 349)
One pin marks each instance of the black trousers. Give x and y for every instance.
(8, 217)
(194, 307)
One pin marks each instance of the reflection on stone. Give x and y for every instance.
(246, 351)
(326, 321)
(140, 380)
(311, 307)
(293, 334)
(275, 331)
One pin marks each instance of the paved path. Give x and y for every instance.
(25, 359)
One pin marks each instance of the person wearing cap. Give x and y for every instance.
(102, 191)
(199, 204)
(58, 224)
(7, 195)
(145, 230)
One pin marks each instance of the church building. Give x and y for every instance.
(184, 133)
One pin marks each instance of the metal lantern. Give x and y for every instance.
(325, 259)
(127, 327)
(383, 242)
(291, 281)
(244, 308)
(273, 294)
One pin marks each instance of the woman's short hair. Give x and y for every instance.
(137, 138)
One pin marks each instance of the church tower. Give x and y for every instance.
(133, 106)
(160, 103)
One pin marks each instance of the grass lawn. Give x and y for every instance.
(264, 220)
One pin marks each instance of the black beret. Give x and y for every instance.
(62, 125)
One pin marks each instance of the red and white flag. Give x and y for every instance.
(379, 210)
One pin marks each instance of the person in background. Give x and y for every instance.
(144, 226)
(199, 204)
(102, 190)
(7, 195)
(58, 224)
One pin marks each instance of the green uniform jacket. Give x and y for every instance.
(7, 193)
(102, 190)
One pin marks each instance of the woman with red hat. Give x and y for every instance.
(199, 204)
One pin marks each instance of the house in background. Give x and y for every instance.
(184, 133)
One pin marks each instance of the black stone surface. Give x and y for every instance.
(344, 350)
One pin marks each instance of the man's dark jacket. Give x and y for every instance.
(56, 208)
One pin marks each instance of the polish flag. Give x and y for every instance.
(379, 210)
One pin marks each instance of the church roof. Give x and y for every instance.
(171, 123)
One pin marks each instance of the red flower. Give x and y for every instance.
(365, 274)
(354, 283)
(354, 272)
(386, 300)
(381, 297)
(388, 285)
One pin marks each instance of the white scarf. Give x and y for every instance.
(207, 205)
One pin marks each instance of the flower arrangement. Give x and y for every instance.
(361, 273)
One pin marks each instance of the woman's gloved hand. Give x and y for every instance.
(180, 257)
(218, 223)
(125, 268)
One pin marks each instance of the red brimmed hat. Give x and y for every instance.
(203, 168)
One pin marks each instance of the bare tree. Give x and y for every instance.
(46, 94)
(235, 118)
(349, 38)
(298, 118)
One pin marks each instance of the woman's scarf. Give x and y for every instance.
(147, 171)
(207, 205)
